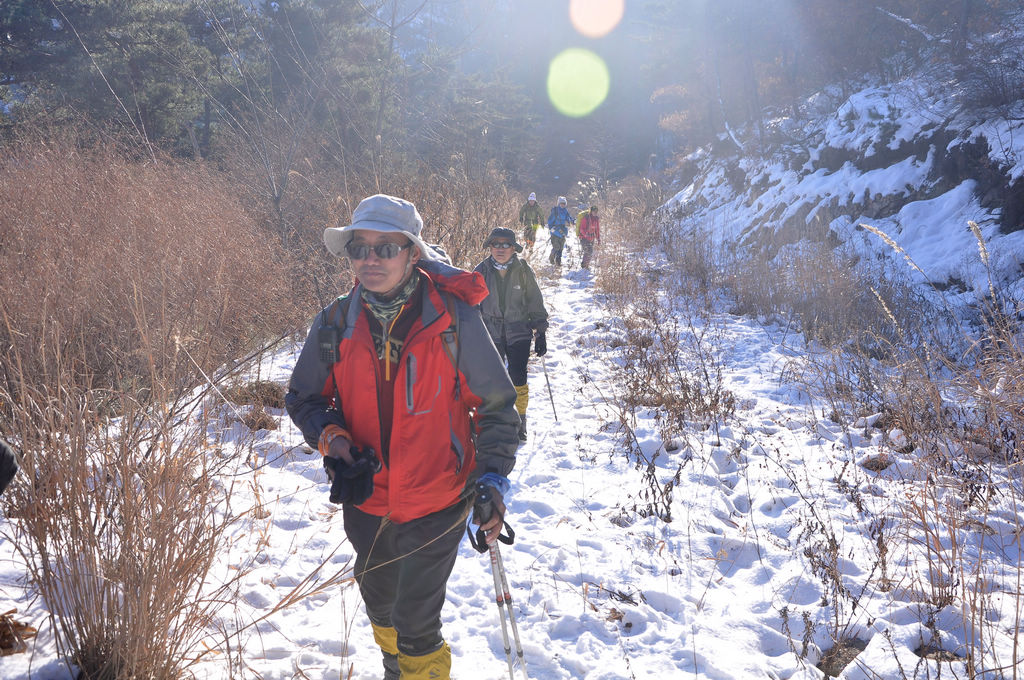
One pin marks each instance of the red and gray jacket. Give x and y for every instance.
(452, 418)
(590, 228)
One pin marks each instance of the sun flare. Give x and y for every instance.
(596, 18)
(578, 81)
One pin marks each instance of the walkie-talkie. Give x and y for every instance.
(328, 337)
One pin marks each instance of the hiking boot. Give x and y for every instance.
(387, 638)
(522, 428)
(391, 670)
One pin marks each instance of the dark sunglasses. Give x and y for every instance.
(384, 251)
(501, 246)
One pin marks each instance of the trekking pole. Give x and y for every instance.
(482, 510)
(501, 610)
(544, 365)
(508, 608)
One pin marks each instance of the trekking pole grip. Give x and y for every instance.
(483, 509)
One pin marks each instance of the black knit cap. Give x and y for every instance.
(503, 233)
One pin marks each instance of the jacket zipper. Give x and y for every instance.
(460, 454)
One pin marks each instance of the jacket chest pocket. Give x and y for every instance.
(422, 393)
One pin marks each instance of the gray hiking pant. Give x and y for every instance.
(557, 244)
(402, 571)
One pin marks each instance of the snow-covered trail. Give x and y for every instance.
(611, 594)
(605, 593)
(728, 589)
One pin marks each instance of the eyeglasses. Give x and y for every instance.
(384, 251)
(502, 246)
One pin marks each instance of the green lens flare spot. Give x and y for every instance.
(578, 82)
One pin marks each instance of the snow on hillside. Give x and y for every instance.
(823, 174)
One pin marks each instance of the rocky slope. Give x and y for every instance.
(912, 158)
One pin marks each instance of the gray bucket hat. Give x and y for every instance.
(505, 233)
(382, 213)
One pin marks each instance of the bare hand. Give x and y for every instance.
(339, 448)
(496, 523)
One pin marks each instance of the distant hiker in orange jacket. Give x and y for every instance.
(402, 391)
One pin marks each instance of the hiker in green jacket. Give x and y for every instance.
(530, 216)
(513, 311)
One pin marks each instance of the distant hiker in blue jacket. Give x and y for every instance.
(558, 226)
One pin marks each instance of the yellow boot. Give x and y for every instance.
(387, 639)
(434, 666)
(522, 398)
(522, 401)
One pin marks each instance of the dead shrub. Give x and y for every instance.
(459, 209)
(127, 283)
(257, 418)
(120, 527)
(954, 394)
(260, 393)
(835, 298)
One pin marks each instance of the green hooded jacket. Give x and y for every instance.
(531, 215)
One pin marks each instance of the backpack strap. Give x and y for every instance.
(450, 336)
(522, 283)
(329, 335)
(334, 314)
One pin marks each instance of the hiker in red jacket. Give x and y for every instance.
(402, 391)
(590, 235)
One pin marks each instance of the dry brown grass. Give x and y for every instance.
(120, 523)
(259, 393)
(949, 394)
(126, 284)
(954, 392)
(667, 347)
(832, 296)
(101, 255)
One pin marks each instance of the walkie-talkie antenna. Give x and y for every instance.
(319, 294)
(328, 335)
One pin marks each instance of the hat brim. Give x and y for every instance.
(336, 238)
(488, 242)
